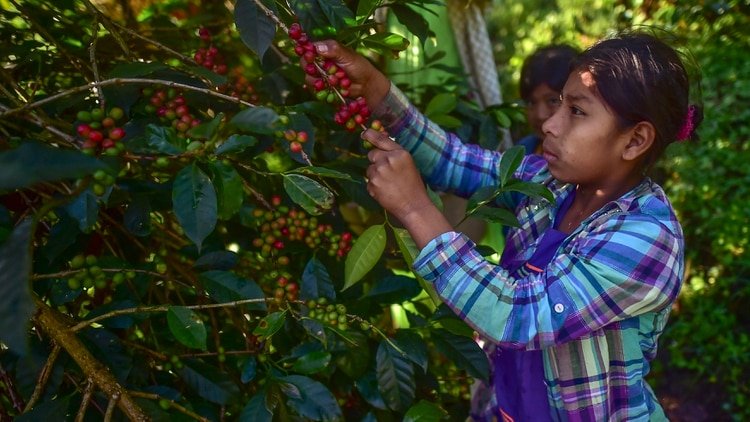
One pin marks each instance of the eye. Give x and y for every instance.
(554, 101)
(576, 111)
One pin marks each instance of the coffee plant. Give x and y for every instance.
(184, 227)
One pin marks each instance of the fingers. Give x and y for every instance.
(330, 49)
(380, 140)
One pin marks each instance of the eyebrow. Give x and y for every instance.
(576, 98)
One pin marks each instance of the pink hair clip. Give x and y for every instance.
(687, 126)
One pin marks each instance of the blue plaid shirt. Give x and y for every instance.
(596, 310)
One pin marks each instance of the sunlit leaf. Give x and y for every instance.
(363, 256)
(309, 194)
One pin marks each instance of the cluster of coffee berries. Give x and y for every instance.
(239, 86)
(328, 313)
(171, 108)
(101, 131)
(102, 180)
(352, 114)
(90, 276)
(285, 289)
(295, 139)
(208, 55)
(330, 83)
(284, 224)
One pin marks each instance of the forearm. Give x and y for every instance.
(424, 224)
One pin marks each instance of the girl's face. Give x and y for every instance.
(582, 143)
(542, 103)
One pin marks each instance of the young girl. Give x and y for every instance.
(584, 286)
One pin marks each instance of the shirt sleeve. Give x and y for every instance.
(628, 265)
(446, 163)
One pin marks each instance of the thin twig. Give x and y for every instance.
(109, 24)
(172, 404)
(87, 392)
(92, 57)
(15, 398)
(161, 308)
(124, 81)
(43, 378)
(111, 407)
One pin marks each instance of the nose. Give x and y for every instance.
(551, 125)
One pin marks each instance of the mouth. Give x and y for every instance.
(548, 154)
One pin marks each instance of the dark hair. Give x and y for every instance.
(641, 78)
(548, 65)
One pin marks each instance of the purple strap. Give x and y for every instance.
(518, 375)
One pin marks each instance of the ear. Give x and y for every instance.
(642, 136)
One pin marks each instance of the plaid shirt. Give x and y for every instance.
(597, 309)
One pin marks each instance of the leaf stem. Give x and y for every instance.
(161, 308)
(123, 81)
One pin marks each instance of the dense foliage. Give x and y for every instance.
(184, 229)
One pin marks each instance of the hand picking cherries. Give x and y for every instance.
(331, 82)
(101, 131)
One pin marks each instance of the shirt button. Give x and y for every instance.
(559, 308)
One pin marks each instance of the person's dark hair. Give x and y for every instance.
(641, 78)
(548, 65)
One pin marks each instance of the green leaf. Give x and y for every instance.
(393, 289)
(187, 327)
(256, 410)
(84, 209)
(365, 253)
(16, 300)
(137, 218)
(367, 386)
(386, 42)
(206, 130)
(162, 140)
(309, 194)
(413, 345)
(194, 203)
(228, 186)
(529, 188)
(337, 13)
(33, 162)
(489, 133)
(256, 29)
(225, 286)
(497, 215)
(413, 21)
(509, 162)
(312, 362)
(446, 121)
(365, 8)
(258, 120)
(425, 411)
(249, 370)
(322, 172)
(409, 251)
(395, 378)
(503, 119)
(209, 382)
(312, 399)
(270, 324)
(442, 103)
(464, 352)
(316, 282)
(236, 143)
